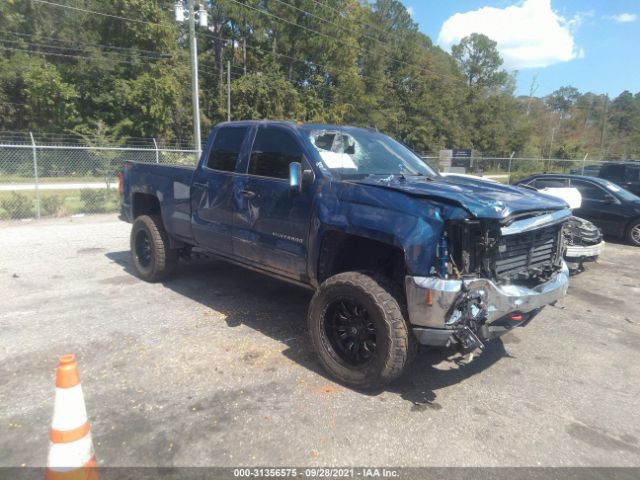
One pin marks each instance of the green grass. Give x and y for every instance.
(65, 179)
(71, 202)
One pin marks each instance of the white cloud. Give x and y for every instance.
(623, 17)
(529, 35)
(410, 11)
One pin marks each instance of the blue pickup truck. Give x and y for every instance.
(397, 254)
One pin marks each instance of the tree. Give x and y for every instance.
(257, 97)
(478, 57)
(563, 100)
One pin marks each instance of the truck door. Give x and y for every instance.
(212, 190)
(271, 224)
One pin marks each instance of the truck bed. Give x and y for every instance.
(170, 184)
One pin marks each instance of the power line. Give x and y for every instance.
(384, 45)
(267, 52)
(264, 12)
(59, 5)
(330, 22)
(89, 45)
(341, 13)
(67, 55)
(80, 49)
(325, 68)
(363, 49)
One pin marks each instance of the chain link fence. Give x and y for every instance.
(511, 170)
(39, 180)
(47, 178)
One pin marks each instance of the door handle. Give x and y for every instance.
(200, 185)
(248, 193)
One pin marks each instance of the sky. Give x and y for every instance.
(593, 45)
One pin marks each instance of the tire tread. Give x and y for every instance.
(398, 333)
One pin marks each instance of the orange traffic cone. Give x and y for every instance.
(71, 454)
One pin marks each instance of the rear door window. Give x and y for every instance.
(226, 148)
(273, 150)
(589, 191)
(550, 183)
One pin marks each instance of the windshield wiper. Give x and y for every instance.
(420, 174)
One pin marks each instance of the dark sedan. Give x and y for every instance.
(613, 209)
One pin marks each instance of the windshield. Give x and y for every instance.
(620, 192)
(353, 152)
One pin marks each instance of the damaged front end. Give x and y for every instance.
(584, 243)
(489, 277)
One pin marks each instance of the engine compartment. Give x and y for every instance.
(479, 248)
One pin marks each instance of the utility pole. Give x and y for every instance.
(195, 94)
(532, 91)
(193, 50)
(553, 134)
(604, 125)
(228, 90)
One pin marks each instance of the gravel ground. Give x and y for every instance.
(213, 367)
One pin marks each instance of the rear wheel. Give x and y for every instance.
(633, 233)
(152, 258)
(358, 330)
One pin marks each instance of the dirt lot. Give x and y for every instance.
(214, 368)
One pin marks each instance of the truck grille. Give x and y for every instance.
(527, 255)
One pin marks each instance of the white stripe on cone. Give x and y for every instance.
(69, 411)
(67, 456)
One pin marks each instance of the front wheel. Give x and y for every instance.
(633, 233)
(152, 258)
(358, 330)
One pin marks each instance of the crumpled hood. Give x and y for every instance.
(482, 198)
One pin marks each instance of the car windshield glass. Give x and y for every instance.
(352, 152)
(620, 192)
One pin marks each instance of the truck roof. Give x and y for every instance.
(292, 124)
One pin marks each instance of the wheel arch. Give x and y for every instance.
(145, 204)
(342, 252)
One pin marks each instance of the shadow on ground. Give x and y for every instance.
(278, 310)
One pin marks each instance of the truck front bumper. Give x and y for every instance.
(430, 301)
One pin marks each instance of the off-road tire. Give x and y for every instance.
(392, 350)
(163, 260)
(632, 233)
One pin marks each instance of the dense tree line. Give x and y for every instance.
(120, 69)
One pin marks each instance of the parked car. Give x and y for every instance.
(583, 239)
(625, 174)
(588, 170)
(397, 254)
(584, 243)
(613, 209)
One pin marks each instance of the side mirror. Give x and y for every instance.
(609, 199)
(295, 177)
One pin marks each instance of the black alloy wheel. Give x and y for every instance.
(350, 331)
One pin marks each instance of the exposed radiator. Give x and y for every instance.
(527, 255)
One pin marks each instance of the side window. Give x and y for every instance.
(633, 173)
(550, 183)
(273, 150)
(225, 149)
(615, 173)
(589, 191)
